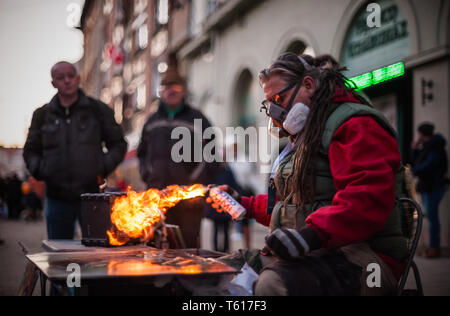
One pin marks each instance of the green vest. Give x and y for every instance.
(390, 240)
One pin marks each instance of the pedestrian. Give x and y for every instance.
(2, 189)
(430, 165)
(331, 203)
(73, 143)
(222, 220)
(14, 196)
(158, 169)
(33, 204)
(2, 201)
(2, 195)
(248, 181)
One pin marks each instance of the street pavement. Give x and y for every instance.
(435, 273)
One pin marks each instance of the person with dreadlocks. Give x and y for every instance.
(331, 206)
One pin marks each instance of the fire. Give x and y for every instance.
(135, 214)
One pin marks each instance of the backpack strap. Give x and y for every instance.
(346, 111)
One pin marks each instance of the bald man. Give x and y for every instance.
(64, 148)
(66, 80)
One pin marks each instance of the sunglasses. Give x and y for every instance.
(275, 99)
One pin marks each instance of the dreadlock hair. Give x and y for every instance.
(327, 73)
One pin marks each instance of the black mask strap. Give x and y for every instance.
(297, 89)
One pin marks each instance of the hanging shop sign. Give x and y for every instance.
(369, 47)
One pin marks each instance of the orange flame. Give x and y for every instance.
(135, 214)
(139, 267)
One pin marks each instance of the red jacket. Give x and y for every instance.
(364, 159)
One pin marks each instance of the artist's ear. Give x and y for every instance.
(310, 86)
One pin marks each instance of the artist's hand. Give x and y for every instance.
(292, 244)
(234, 194)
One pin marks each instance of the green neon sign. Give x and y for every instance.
(378, 76)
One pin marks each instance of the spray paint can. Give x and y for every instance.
(228, 204)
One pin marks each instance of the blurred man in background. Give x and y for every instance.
(2, 201)
(2, 192)
(248, 181)
(222, 221)
(430, 165)
(158, 169)
(14, 196)
(65, 149)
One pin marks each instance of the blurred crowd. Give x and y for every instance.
(21, 198)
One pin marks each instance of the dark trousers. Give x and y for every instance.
(14, 209)
(61, 217)
(322, 273)
(223, 226)
(188, 216)
(431, 203)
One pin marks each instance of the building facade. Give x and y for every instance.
(397, 51)
(403, 63)
(125, 46)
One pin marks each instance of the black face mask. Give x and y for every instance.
(276, 111)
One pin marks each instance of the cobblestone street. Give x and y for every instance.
(435, 273)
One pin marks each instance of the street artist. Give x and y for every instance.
(331, 206)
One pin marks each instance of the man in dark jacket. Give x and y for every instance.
(430, 166)
(157, 166)
(73, 143)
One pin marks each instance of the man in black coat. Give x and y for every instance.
(159, 168)
(430, 166)
(73, 143)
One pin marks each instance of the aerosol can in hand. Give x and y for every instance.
(228, 204)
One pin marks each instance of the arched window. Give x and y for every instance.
(245, 111)
(244, 107)
(367, 47)
(298, 47)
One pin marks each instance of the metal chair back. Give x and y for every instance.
(415, 232)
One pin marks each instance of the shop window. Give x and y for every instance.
(141, 97)
(140, 6)
(142, 37)
(367, 48)
(161, 14)
(128, 12)
(178, 4)
(156, 81)
(108, 7)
